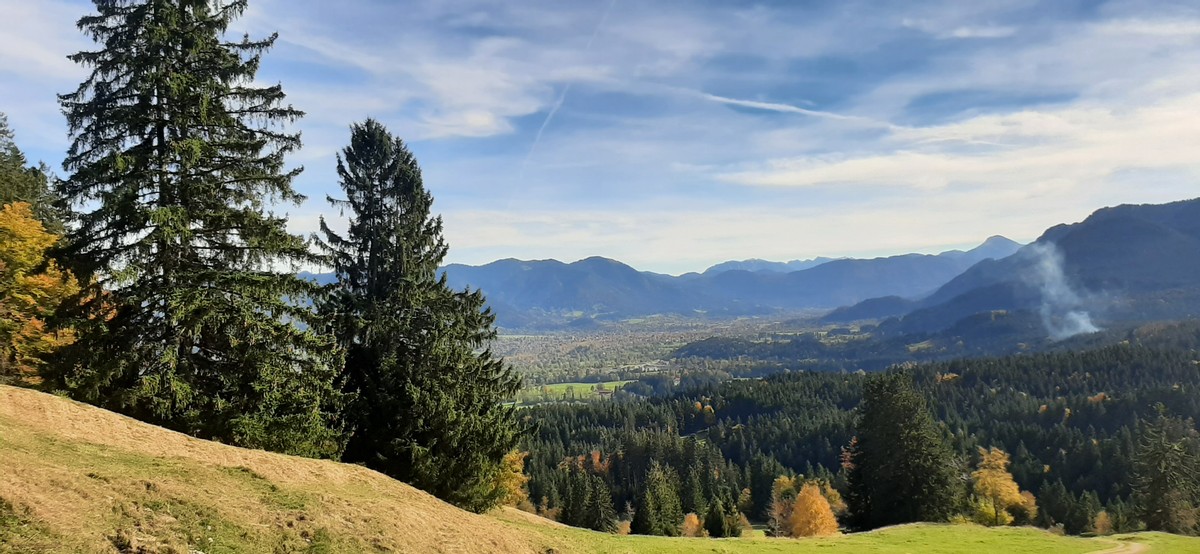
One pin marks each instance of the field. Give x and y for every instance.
(74, 478)
(566, 392)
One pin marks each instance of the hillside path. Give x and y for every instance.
(1125, 547)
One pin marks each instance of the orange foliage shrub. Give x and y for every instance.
(692, 526)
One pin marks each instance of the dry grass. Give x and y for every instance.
(83, 479)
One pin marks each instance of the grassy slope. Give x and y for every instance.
(74, 478)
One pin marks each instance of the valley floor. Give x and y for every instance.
(74, 478)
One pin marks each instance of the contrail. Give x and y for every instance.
(562, 96)
(788, 108)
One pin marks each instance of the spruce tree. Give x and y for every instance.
(714, 521)
(578, 495)
(1166, 489)
(692, 498)
(428, 395)
(25, 183)
(658, 511)
(600, 513)
(175, 162)
(902, 470)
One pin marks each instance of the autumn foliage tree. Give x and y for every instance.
(511, 479)
(692, 526)
(811, 514)
(31, 289)
(995, 490)
(783, 500)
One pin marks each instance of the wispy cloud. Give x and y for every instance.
(1068, 147)
(688, 132)
(566, 89)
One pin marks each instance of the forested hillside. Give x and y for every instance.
(1123, 263)
(1073, 423)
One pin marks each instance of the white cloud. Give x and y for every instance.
(980, 32)
(35, 38)
(1068, 147)
(1158, 28)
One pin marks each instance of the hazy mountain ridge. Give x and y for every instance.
(756, 264)
(531, 293)
(1125, 263)
(525, 293)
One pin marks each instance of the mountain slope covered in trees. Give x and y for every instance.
(1125, 263)
(1074, 424)
(75, 478)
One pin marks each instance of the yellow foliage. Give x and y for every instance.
(511, 479)
(836, 503)
(783, 486)
(1102, 525)
(985, 512)
(692, 526)
(811, 514)
(994, 487)
(1027, 510)
(31, 289)
(783, 494)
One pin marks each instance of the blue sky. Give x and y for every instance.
(675, 134)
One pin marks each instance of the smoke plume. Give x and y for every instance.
(1062, 309)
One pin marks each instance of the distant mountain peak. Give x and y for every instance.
(997, 239)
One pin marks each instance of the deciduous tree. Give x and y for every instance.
(692, 526)
(511, 479)
(811, 515)
(31, 289)
(783, 501)
(994, 487)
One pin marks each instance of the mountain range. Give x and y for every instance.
(550, 292)
(1129, 263)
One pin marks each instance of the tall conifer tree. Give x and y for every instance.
(175, 161)
(428, 394)
(901, 468)
(1166, 489)
(20, 182)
